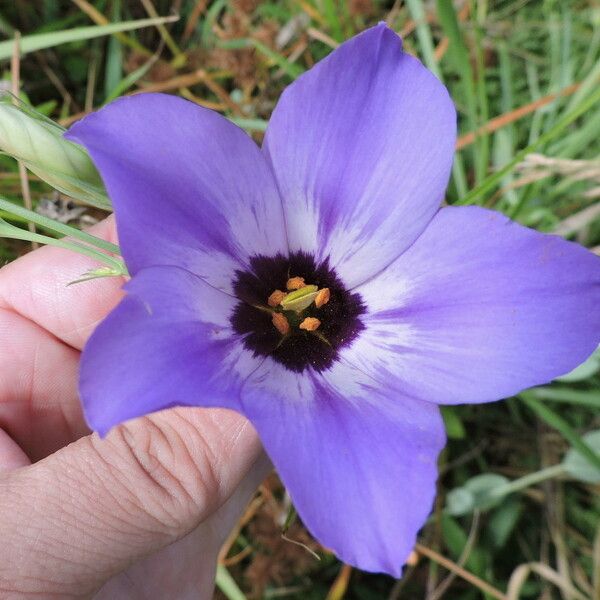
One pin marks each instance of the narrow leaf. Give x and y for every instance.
(558, 423)
(39, 41)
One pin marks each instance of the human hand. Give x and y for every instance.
(141, 513)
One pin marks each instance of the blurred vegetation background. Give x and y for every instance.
(518, 510)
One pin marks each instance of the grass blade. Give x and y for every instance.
(227, 585)
(417, 12)
(589, 398)
(10, 231)
(490, 182)
(30, 216)
(122, 86)
(39, 41)
(113, 67)
(557, 422)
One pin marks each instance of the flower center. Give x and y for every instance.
(294, 311)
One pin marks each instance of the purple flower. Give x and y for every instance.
(404, 306)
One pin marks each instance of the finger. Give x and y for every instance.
(36, 286)
(186, 569)
(39, 405)
(95, 507)
(11, 456)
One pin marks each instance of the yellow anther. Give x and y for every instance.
(280, 323)
(310, 324)
(275, 298)
(295, 283)
(322, 297)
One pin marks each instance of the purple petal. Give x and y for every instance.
(362, 148)
(358, 462)
(189, 188)
(478, 309)
(168, 343)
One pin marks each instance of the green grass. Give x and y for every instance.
(502, 56)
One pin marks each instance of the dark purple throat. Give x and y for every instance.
(339, 318)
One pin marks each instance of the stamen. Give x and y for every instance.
(280, 323)
(295, 283)
(322, 297)
(275, 298)
(310, 324)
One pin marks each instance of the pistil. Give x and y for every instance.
(300, 299)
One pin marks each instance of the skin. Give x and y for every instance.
(139, 514)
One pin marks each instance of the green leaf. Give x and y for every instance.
(589, 398)
(475, 494)
(454, 427)
(292, 69)
(455, 539)
(503, 521)
(122, 86)
(561, 125)
(113, 69)
(16, 233)
(460, 501)
(98, 273)
(331, 13)
(227, 585)
(454, 536)
(39, 41)
(56, 227)
(417, 12)
(579, 466)
(290, 518)
(556, 421)
(458, 54)
(585, 370)
(250, 124)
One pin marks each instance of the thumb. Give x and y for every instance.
(73, 520)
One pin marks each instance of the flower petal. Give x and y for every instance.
(362, 148)
(478, 309)
(189, 188)
(360, 468)
(168, 343)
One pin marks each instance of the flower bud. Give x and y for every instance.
(39, 144)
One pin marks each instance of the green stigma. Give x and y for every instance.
(300, 299)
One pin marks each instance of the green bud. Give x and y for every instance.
(300, 299)
(38, 143)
